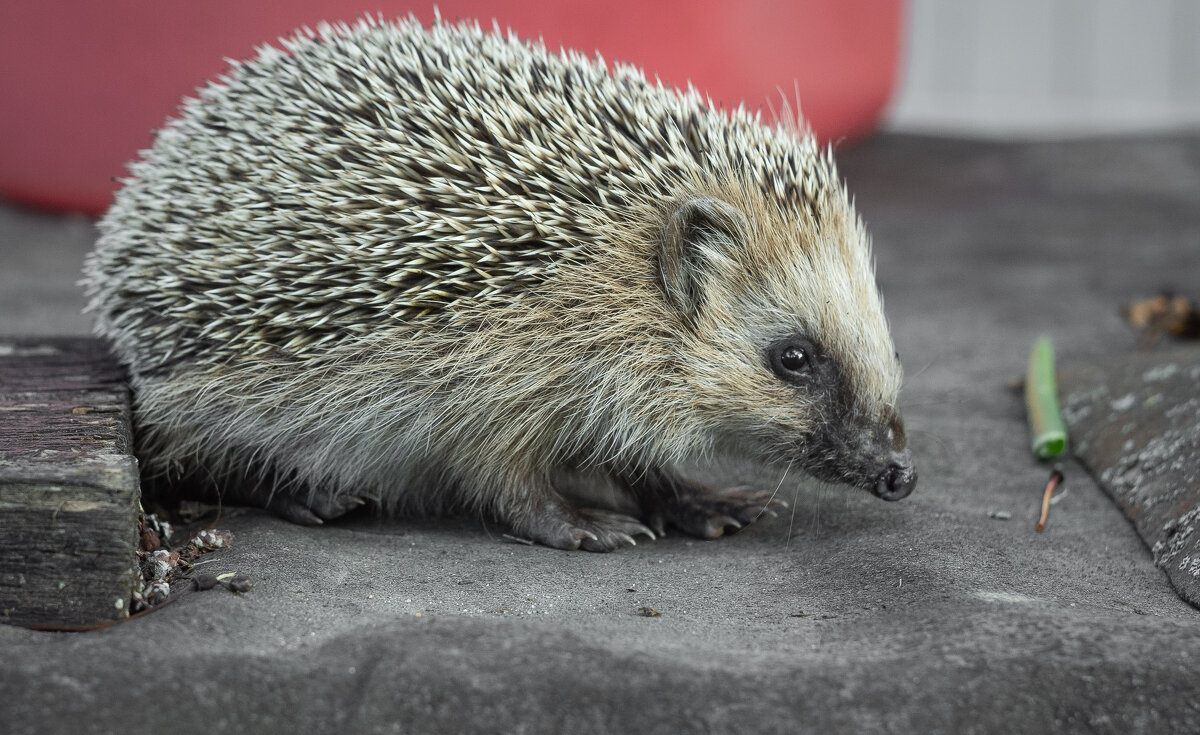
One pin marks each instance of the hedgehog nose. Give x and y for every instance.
(898, 480)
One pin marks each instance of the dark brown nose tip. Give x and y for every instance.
(897, 481)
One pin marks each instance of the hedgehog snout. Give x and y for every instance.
(898, 480)
(889, 447)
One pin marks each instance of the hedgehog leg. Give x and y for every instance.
(269, 492)
(300, 507)
(316, 511)
(696, 508)
(554, 522)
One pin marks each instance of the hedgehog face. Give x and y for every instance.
(842, 442)
(790, 356)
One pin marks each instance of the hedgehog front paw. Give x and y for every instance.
(590, 529)
(611, 529)
(315, 512)
(710, 513)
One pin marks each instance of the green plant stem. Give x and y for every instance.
(1041, 398)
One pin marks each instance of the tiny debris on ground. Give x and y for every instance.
(166, 570)
(1165, 314)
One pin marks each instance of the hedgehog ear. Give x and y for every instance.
(700, 235)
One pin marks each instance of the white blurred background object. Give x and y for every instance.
(1049, 68)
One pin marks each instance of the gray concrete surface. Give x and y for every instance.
(850, 615)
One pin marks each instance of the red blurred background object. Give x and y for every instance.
(84, 83)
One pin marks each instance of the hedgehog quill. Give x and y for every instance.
(442, 269)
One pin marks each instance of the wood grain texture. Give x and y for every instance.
(69, 491)
(1135, 423)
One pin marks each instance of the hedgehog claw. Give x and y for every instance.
(563, 527)
(658, 524)
(293, 512)
(315, 512)
(614, 538)
(615, 529)
(710, 513)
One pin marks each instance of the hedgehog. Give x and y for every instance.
(442, 269)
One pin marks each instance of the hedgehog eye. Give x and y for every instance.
(791, 360)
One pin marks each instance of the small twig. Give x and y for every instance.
(1055, 478)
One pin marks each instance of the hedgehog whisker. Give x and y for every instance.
(951, 401)
(787, 544)
(945, 444)
(776, 490)
(921, 372)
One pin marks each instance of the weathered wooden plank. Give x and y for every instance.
(69, 491)
(1135, 422)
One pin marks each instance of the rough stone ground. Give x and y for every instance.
(851, 615)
